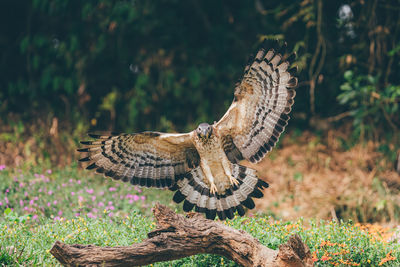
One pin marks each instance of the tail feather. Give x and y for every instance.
(196, 193)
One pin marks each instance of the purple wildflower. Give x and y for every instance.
(112, 189)
(91, 215)
(2, 167)
(89, 191)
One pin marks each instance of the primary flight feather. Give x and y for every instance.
(202, 166)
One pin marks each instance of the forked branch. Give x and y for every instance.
(177, 237)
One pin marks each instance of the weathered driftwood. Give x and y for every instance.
(177, 237)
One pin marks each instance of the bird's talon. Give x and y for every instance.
(213, 189)
(233, 180)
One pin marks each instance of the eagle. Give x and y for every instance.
(203, 166)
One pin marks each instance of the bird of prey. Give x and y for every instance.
(203, 166)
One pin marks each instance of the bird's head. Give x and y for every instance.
(204, 131)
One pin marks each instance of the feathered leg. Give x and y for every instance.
(227, 168)
(209, 176)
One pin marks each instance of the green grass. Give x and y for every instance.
(28, 229)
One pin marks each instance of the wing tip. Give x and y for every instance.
(85, 142)
(84, 159)
(91, 166)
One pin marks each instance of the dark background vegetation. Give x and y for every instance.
(67, 67)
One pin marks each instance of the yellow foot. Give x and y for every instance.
(213, 188)
(233, 180)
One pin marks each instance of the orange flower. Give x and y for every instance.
(348, 262)
(388, 257)
(325, 258)
(314, 256)
(330, 244)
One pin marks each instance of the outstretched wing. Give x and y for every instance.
(149, 159)
(262, 102)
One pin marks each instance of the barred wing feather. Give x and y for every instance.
(149, 159)
(262, 102)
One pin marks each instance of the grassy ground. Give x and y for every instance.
(73, 206)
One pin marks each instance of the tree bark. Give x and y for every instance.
(177, 237)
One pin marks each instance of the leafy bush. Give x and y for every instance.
(374, 109)
(148, 61)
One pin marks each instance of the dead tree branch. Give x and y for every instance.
(177, 237)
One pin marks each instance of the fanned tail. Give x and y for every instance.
(196, 194)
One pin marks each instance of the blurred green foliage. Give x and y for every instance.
(370, 106)
(168, 65)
